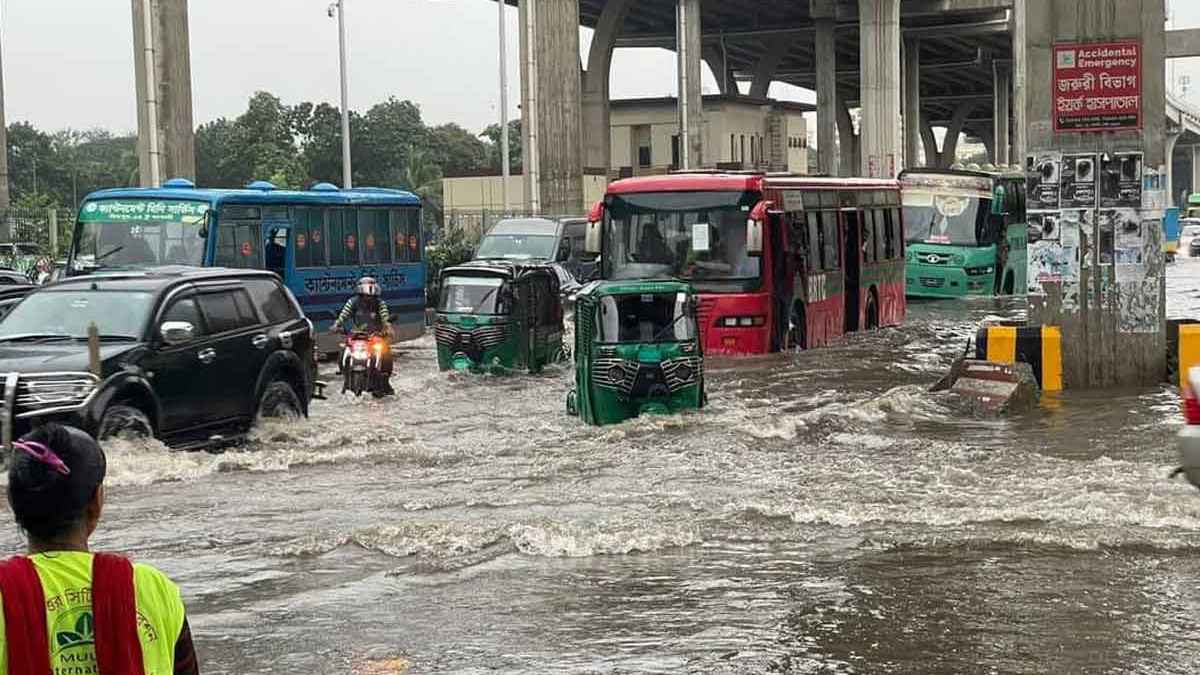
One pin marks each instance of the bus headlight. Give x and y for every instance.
(741, 321)
(979, 271)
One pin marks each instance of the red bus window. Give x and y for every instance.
(833, 241)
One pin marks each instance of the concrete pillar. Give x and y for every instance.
(1172, 140)
(827, 97)
(1112, 315)
(850, 146)
(551, 102)
(988, 137)
(929, 144)
(717, 59)
(5, 200)
(597, 141)
(1002, 111)
(879, 54)
(688, 34)
(764, 71)
(949, 154)
(912, 102)
(171, 96)
(1019, 78)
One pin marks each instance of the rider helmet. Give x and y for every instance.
(368, 286)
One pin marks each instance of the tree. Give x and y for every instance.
(217, 159)
(422, 177)
(382, 143)
(492, 133)
(457, 151)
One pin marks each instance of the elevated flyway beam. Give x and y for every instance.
(1183, 43)
(667, 41)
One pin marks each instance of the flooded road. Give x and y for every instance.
(824, 514)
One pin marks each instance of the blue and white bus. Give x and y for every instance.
(319, 241)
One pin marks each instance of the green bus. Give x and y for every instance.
(1193, 205)
(966, 232)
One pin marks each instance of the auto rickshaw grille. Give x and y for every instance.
(484, 337)
(683, 372)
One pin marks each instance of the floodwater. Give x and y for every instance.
(823, 514)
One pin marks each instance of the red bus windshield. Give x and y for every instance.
(694, 236)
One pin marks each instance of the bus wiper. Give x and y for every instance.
(102, 257)
(30, 337)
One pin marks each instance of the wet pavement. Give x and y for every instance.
(824, 514)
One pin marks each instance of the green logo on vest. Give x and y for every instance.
(83, 633)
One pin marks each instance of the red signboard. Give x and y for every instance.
(1098, 87)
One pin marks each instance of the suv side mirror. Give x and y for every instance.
(176, 333)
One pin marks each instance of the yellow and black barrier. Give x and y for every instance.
(1039, 346)
(1189, 350)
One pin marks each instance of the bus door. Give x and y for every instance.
(277, 237)
(782, 278)
(852, 233)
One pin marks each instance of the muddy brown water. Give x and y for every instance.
(824, 514)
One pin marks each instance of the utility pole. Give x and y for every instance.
(504, 168)
(5, 200)
(151, 102)
(340, 8)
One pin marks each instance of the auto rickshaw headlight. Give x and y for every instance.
(616, 374)
(684, 372)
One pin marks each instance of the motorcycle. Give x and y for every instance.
(362, 364)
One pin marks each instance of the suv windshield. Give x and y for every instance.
(121, 314)
(946, 219)
(139, 233)
(471, 295)
(517, 246)
(697, 236)
(643, 318)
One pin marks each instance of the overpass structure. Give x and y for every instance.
(908, 66)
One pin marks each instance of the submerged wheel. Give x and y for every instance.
(872, 311)
(798, 330)
(1009, 284)
(279, 400)
(126, 422)
(356, 382)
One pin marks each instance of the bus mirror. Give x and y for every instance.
(998, 197)
(592, 239)
(754, 237)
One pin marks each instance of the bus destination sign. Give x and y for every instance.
(1098, 87)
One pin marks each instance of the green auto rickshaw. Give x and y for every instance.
(499, 316)
(637, 351)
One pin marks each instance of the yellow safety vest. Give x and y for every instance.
(67, 584)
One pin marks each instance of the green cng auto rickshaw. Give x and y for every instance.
(637, 351)
(499, 316)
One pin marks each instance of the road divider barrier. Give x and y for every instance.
(1038, 346)
(1188, 350)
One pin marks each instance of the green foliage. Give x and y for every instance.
(453, 248)
(492, 133)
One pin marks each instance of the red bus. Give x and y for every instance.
(780, 262)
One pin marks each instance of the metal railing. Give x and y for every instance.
(49, 229)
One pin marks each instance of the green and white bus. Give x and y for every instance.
(966, 232)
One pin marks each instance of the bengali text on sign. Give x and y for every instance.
(1097, 87)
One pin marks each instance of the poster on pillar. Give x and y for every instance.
(1042, 180)
(1097, 86)
(1079, 180)
(1121, 180)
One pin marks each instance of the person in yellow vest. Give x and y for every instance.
(67, 609)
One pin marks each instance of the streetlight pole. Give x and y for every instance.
(340, 8)
(504, 167)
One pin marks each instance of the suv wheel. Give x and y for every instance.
(124, 421)
(279, 400)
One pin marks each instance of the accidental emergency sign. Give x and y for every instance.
(1097, 87)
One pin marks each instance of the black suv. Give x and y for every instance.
(188, 355)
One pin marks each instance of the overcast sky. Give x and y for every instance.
(69, 63)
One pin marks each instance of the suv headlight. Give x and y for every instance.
(39, 393)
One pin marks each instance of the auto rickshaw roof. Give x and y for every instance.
(499, 267)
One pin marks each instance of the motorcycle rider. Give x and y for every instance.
(366, 311)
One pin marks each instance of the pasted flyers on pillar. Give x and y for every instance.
(1109, 223)
(1042, 178)
(1137, 305)
(1043, 225)
(1121, 180)
(1069, 225)
(1080, 176)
